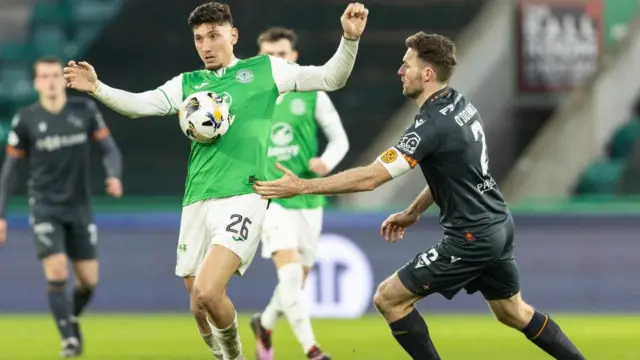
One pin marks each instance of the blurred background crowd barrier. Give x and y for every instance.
(556, 82)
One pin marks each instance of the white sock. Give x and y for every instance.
(229, 340)
(272, 312)
(293, 305)
(213, 345)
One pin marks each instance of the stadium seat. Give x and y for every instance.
(49, 40)
(49, 13)
(16, 52)
(600, 177)
(624, 139)
(15, 83)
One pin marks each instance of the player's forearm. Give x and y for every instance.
(422, 202)
(111, 158)
(365, 178)
(8, 177)
(149, 103)
(334, 73)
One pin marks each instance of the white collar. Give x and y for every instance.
(221, 71)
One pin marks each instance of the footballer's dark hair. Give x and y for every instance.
(211, 12)
(44, 60)
(278, 33)
(437, 51)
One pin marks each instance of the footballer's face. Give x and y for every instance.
(281, 48)
(414, 74)
(214, 43)
(48, 80)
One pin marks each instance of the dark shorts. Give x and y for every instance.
(483, 264)
(69, 232)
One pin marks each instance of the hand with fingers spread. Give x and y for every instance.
(394, 226)
(354, 20)
(81, 76)
(287, 186)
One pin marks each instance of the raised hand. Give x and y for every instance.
(81, 76)
(354, 20)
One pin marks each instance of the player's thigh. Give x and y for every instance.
(237, 224)
(81, 239)
(498, 281)
(445, 269)
(49, 234)
(309, 234)
(193, 240)
(393, 293)
(279, 231)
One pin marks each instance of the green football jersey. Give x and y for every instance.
(294, 142)
(230, 165)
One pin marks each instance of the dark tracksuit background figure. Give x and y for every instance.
(54, 135)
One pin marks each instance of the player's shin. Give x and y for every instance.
(412, 334)
(548, 336)
(59, 304)
(272, 312)
(291, 278)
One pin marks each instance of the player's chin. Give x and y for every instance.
(212, 66)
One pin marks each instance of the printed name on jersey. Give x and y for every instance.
(56, 142)
(244, 76)
(466, 115)
(389, 156)
(409, 143)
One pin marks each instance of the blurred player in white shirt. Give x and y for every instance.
(292, 226)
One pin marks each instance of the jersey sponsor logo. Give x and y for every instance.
(297, 107)
(244, 76)
(419, 122)
(409, 143)
(281, 136)
(57, 142)
(464, 116)
(389, 156)
(13, 139)
(198, 87)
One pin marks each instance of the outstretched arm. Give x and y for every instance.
(334, 73)
(164, 100)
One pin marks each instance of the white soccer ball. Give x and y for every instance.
(204, 116)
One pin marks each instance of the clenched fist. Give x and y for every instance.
(354, 20)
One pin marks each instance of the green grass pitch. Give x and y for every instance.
(167, 337)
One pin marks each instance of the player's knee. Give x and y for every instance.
(516, 314)
(209, 296)
(381, 299)
(57, 273)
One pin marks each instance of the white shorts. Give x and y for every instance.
(292, 229)
(234, 222)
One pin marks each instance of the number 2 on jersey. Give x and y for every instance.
(478, 134)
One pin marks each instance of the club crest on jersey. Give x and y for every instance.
(244, 76)
(409, 143)
(389, 156)
(42, 127)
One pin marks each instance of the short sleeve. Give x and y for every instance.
(172, 90)
(418, 142)
(18, 139)
(97, 127)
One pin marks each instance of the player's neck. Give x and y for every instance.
(428, 92)
(54, 105)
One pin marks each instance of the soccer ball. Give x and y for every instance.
(204, 116)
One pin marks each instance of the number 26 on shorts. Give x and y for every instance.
(241, 222)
